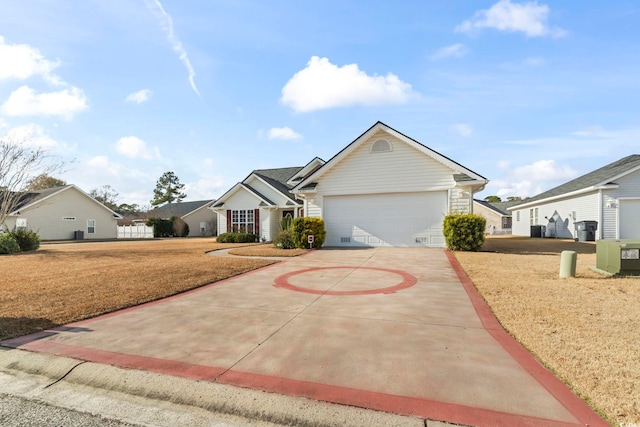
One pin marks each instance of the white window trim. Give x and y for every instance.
(247, 220)
(89, 227)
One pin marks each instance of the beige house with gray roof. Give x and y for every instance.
(63, 213)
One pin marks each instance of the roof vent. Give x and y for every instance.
(380, 146)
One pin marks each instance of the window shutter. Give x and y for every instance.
(228, 220)
(256, 221)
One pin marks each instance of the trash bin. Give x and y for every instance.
(536, 231)
(586, 230)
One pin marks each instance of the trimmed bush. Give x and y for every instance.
(28, 240)
(464, 232)
(8, 244)
(302, 227)
(232, 237)
(161, 227)
(283, 240)
(179, 227)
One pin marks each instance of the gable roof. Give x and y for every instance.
(498, 207)
(461, 174)
(275, 178)
(30, 198)
(179, 209)
(599, 178)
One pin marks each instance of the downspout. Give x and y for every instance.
(600, 215)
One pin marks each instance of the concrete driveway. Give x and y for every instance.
(400, 330)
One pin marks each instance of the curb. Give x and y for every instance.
(249, 404)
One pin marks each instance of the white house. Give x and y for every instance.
(387, 189)
(258, 203)
(609, 195)
(60, 213)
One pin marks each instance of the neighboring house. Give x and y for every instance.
(387, 189)
(197, 215)
(497, 215)
(258, 203)
(609, 195)
(63, 213)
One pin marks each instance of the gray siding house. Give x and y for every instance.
(609, 195)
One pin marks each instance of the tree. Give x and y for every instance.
(514, 199)
(106, 195)
(127, 208)
(168, 189)
(19, 163)
(492, 199)
(43, 181)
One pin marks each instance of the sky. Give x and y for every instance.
(528, 94)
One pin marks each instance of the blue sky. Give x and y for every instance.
(527, 94)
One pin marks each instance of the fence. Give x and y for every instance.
(136, 231)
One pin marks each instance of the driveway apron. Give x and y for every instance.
(393, 329)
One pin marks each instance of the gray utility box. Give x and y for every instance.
(620, 257)
(78, 235)
(586, 230)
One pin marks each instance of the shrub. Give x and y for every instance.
(179, 227)
(161, 227)
(28, 240)
(283, 240)
(464, 232)
(233, 237)
(302, 227)
(8, 244)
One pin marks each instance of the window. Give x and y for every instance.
(242, 221)
(380, 146)
(91, 226)
(21, 223)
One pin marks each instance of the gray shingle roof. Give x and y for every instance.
(29, 197)
(278, 178)
(597, 177)
(177, 209)
(500, 207)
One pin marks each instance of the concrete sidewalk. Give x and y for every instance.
(400, 330)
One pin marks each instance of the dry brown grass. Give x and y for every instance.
(586, 329)
(64, 283)
(267, 250)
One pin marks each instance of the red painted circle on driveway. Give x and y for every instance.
(407, 281)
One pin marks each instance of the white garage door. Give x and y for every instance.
(408, 219)
(629, 219)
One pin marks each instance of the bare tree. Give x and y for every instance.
(106, 195)
(19, 163)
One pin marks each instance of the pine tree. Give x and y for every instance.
(168, 189)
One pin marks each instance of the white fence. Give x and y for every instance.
(136, 231)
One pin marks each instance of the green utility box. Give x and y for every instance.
(620, 257)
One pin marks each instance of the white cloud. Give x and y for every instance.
(454, 51)
(132, 146)
(283, 133)
(25, 102)
(21, 61)
(322, 85)
(463, 129)
(534, 62)
(140, 96)
(529, 180)
(31, 135)
(206, 188)
(166, 22)
(529, 18)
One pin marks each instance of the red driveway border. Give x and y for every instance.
(563, 394)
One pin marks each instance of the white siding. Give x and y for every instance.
(242, 199)
(628, 186)
(314, 208)
(268, 192)
(403, 169)
(461, 200)
(562, 211)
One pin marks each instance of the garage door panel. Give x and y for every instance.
(629, 219)
(409, 219)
